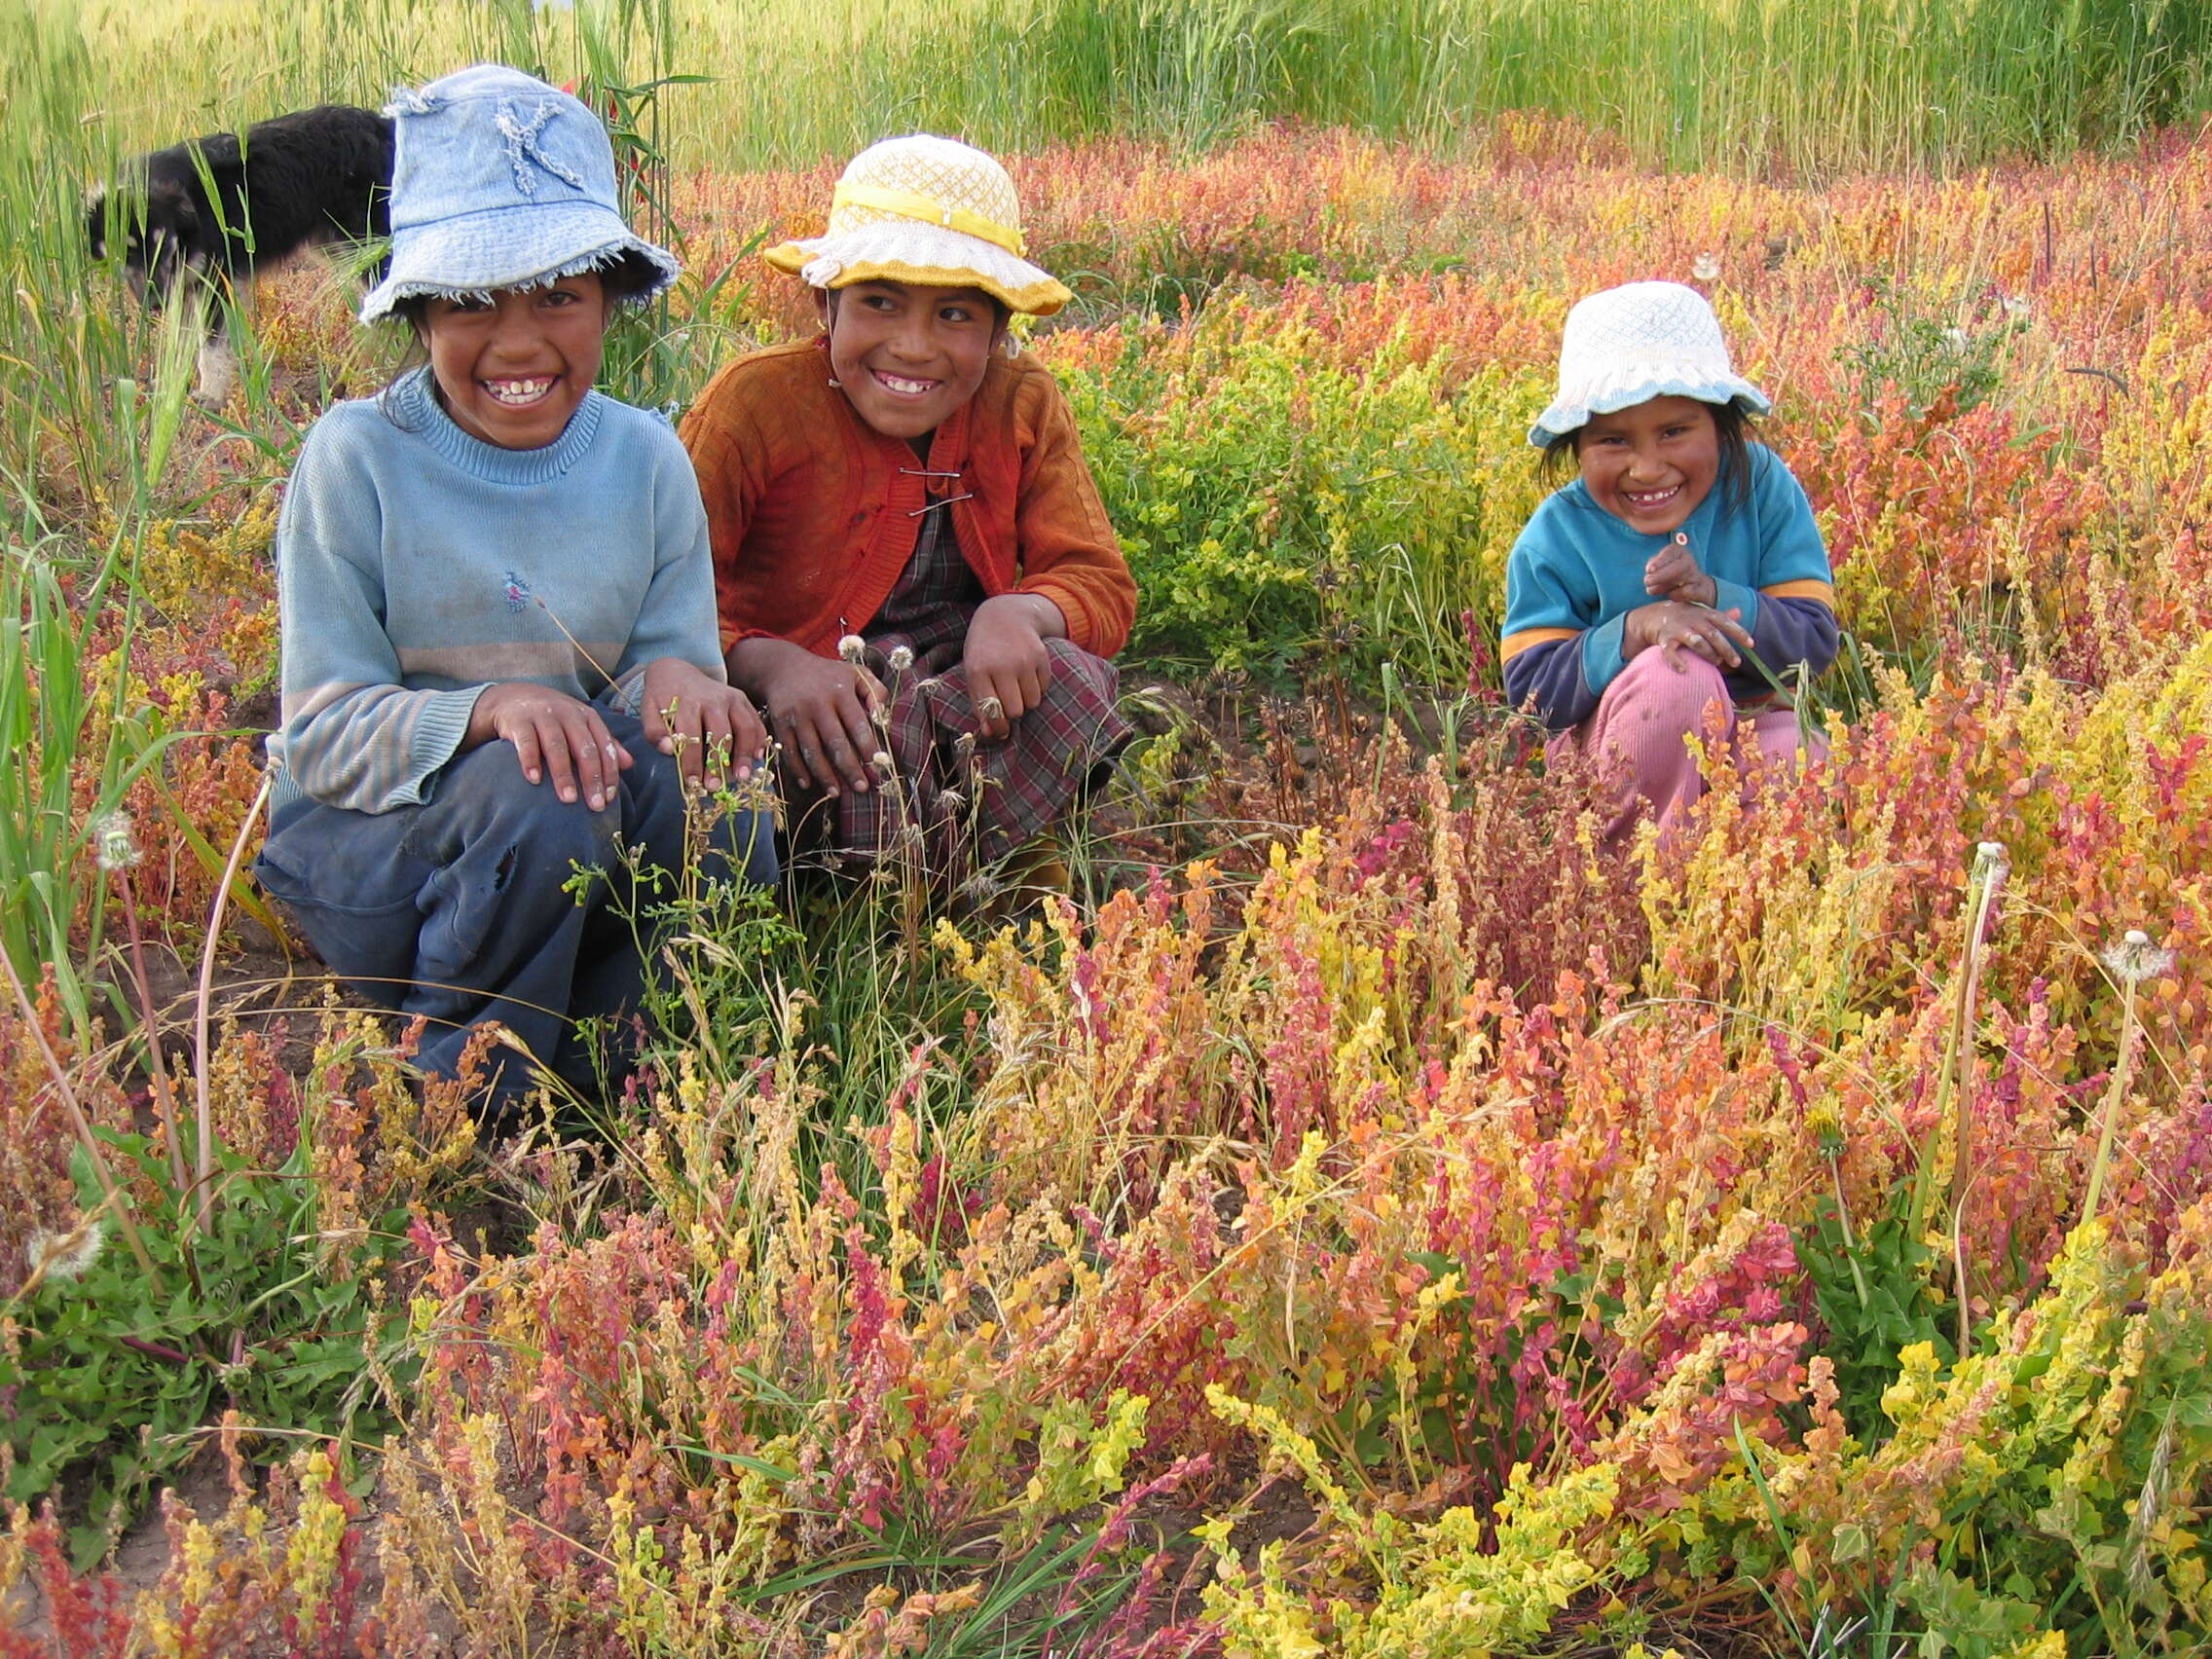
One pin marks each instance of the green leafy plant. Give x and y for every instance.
(1272, 510)
(717, 943)
(1955, 359)
(1875, 1287)
(113, 1372)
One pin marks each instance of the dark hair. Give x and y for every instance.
(628, 276)
(1729, 424)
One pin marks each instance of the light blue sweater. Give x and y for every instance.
(416, 566)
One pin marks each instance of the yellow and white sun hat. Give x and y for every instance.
(928, 211)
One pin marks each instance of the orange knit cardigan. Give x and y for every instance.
(812, 511)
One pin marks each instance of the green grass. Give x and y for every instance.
(1812, 84)
(1808, 87)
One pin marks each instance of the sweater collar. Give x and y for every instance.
(421, 413)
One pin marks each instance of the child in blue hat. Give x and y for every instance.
(500, 656)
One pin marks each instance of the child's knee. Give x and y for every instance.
(526, 827)
(1651, 690)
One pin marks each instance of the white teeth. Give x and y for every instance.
(910, 387)
(519, 390)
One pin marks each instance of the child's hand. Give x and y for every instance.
(821, 710)
(1673, 572)
(1005, 656)
(710, 728)
(1674, 627)
(552, 733)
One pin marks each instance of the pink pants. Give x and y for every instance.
(1650, 724)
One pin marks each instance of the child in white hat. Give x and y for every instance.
(918, 583)
(500, 657)
(1638, 594)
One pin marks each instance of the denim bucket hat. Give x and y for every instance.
(1629, 344)
(499, 181)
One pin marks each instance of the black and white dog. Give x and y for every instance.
(202, 216)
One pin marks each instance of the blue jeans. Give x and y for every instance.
(454, 909)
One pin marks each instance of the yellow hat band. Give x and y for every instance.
(928, 211)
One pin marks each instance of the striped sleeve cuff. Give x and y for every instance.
(435, 740)
(1825, 592)
(1520, 639)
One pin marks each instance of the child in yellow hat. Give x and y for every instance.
(917, 580)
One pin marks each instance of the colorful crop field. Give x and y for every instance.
(1372, 1215)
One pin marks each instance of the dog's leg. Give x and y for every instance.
(218, 365)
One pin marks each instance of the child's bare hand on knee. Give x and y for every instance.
(710, 728)
(1008, 665)
(555, 735)
(1673, 572)
(1672, 628)
(822, 709)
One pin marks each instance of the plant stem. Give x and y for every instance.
(2121, 1072)
(1962, 1094)
(1850, 1243)
(1951, 1090)
(203, 1173)
(156, 1071)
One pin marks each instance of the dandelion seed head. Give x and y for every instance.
(67, 1254)
(112, 841)
(1706, 268)
(902, 658)
(881, 762)
(853, 648)
(2135, 958)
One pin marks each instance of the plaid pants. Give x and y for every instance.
(957, 801)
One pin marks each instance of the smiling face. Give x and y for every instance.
(511, 371)
(906, 355)
(1652, 464)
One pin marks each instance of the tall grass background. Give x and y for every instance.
(1812, 86)
(1797, 88)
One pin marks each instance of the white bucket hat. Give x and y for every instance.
(1629, 344)
(927, 211)
(499, 181)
